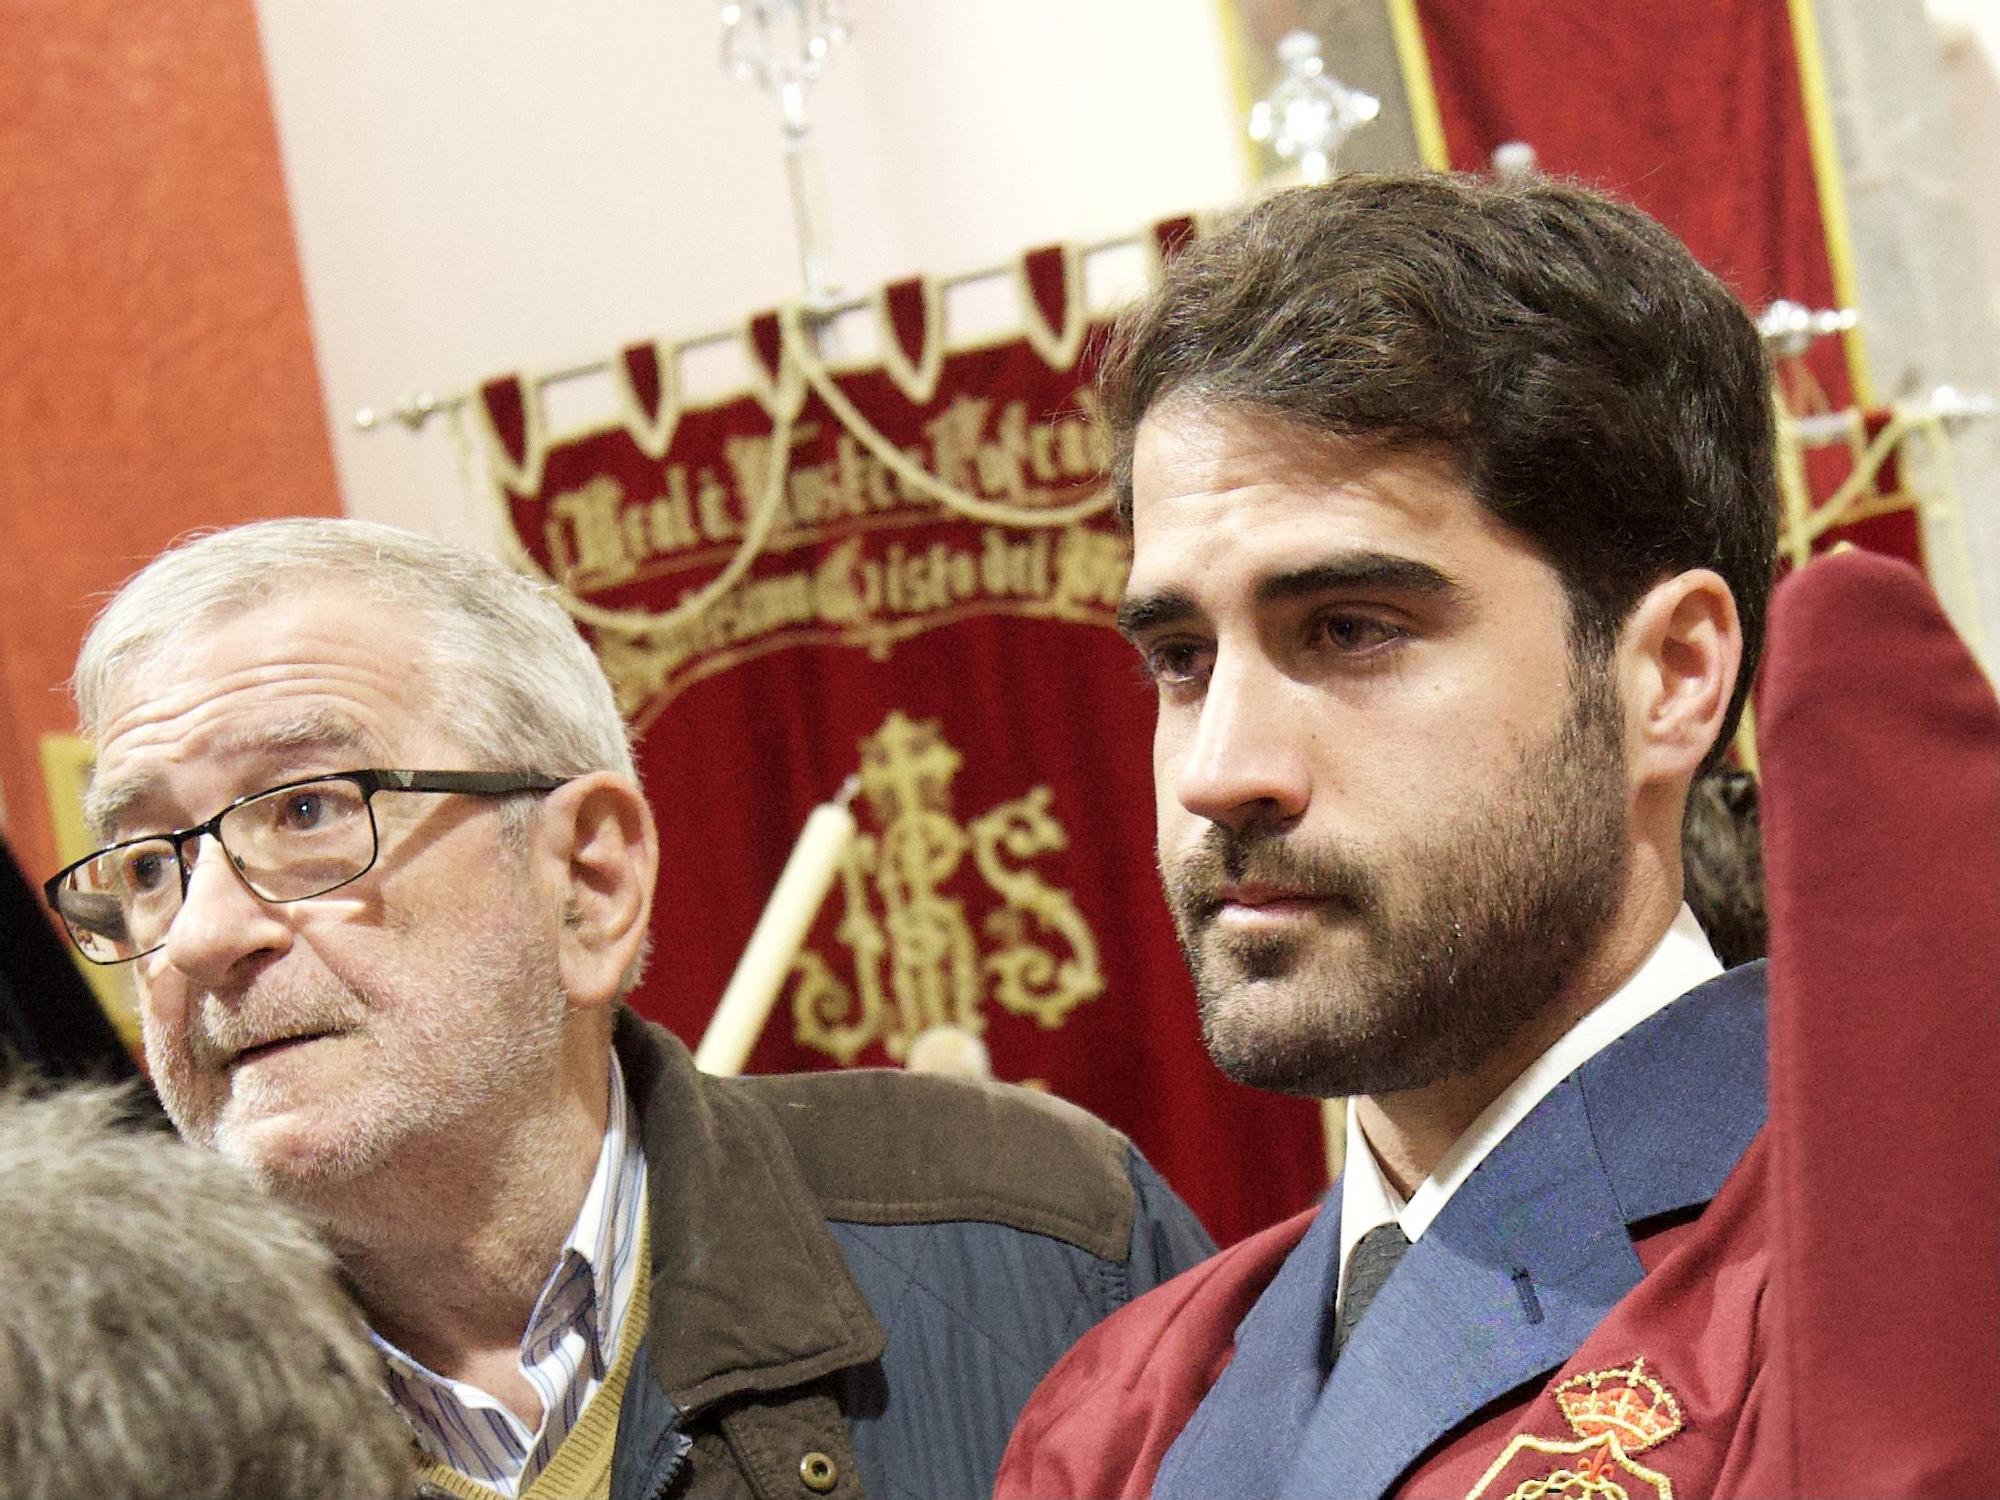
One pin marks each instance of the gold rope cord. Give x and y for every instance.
(1418, 84)
(1816, 101)
(1860, 483)
(791, 322)
(639, 622)
(801, 369)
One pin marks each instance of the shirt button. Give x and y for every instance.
(818, 1473)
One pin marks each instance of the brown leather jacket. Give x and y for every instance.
(858, 1277)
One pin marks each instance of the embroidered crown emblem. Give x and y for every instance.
(1626, 1404)
(1614, 1414)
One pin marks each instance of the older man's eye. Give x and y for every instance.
(302, 812)
(325, 807)
(145, 869)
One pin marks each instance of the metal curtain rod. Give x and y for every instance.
(413, 410)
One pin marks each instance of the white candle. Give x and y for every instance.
(760, 973)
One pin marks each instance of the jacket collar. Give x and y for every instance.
(1526, 1259)
(750, 1291)
(1536, 1247)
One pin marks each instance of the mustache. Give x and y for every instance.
(1263, 856)
(225, 1025)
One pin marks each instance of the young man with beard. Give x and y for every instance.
(376, 847)
(1453, 510)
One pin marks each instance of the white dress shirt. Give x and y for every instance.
(571, 1339)
(1682, 960)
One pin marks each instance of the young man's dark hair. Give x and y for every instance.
(1600, 392)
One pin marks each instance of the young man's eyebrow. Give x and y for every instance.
(1139, 613)
(1363, 570)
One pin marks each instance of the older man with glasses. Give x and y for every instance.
(375, 846)
(305, 838)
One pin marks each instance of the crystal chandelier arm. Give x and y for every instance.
(781, 46)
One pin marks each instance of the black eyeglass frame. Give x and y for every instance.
(371, 781)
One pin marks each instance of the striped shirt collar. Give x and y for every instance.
(571, 1338)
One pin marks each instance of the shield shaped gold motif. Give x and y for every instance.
(1533, 1468)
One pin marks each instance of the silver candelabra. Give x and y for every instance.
(782, 46)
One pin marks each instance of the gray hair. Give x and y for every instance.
(171, 1331)
(509, 672)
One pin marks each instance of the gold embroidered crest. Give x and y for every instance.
(1614, 1414)
(921, 962)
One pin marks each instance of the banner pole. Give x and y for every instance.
(781, 931)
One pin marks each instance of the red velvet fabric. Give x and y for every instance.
(1694, 113)
(641, 365)
(909, 323)
(1881, 814)
(1831, 1325)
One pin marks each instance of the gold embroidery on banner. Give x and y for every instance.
(1028, 979)
(1030, 474)
(919, 963)
(1615, 1414)
(598, 536)
(872, 598)
(1080, 440)
(695, 602)
(1033, 477)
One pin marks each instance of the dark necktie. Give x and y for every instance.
(1377, 1255)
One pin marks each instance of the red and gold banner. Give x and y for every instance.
(905, 570)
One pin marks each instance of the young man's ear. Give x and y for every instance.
(602, 854)
(1679, 653)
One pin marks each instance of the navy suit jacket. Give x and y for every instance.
(1525, 1260)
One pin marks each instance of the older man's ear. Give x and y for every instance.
(598, 849)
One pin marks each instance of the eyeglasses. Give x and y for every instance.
(287, 843)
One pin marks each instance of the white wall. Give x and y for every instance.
(1971, 33)
(489, 185)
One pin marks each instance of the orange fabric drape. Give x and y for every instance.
(156, 365)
